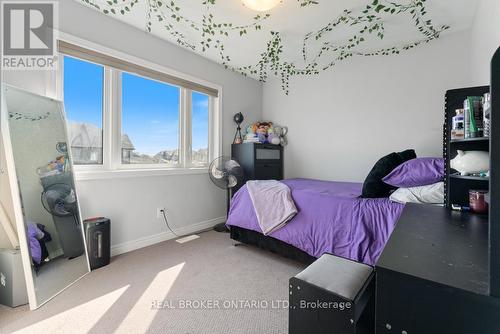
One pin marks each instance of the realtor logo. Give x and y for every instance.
(28, 30)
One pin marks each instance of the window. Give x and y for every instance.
(83, 100)
(199, 125)
(150, 121)
(125, 116)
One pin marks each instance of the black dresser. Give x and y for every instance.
(259, 161)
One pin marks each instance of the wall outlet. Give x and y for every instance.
(159, 213)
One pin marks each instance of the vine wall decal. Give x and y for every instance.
(319, 53)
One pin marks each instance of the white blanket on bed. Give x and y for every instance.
(273, 204)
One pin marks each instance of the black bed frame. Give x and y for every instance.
(271, 244)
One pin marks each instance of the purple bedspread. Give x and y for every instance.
(331, 219)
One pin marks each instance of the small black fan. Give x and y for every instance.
(59, 200)
(226, 174)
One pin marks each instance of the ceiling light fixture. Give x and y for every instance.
(261, 5)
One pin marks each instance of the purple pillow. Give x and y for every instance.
(416, 173)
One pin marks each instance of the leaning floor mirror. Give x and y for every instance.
(43, 189)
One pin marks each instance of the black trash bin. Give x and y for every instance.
(97, 235)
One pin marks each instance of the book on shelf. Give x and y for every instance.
(252, 140)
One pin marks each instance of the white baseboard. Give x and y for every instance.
(164, 236)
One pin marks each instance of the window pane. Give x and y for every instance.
(83, 100)
(200, 106)
(150, 121)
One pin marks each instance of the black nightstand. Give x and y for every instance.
(259, 161)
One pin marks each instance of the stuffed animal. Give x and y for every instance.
(263, 127)
(274, 139)
(281, 132)
(249, 134)
(249, 129)
(262, 138)
(262, 130)
(266, 132)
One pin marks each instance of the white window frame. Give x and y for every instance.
(212, 119)
(106, 113)
(183, 163)
(112, 161)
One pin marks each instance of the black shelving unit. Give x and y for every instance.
(470, 140)
(470, 177)
(494, 218)
(457, 186)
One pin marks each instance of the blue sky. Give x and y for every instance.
(83, 91)
(150, 109)
(200, 120)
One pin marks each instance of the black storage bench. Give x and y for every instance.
(333, 295)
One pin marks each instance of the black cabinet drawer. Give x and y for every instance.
(267, 153)
(268, 171)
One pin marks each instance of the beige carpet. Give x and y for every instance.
(204, 286)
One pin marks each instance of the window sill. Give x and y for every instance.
(85, 175)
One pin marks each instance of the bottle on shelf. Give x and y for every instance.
(473, 111)
(487, 114)
(457, 131)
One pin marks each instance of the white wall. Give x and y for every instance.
(485, 40)
(131, 203)
(342, 121)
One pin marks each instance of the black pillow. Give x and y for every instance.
(374, 187)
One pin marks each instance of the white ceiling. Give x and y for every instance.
(294, 21)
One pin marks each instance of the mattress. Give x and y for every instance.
(331, 219)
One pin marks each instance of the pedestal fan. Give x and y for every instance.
(59, 199)
(226, 174)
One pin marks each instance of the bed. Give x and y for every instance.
(331, 219)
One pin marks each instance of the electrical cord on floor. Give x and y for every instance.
(168, 225)
(179, 236)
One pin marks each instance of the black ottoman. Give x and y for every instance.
(333, 295)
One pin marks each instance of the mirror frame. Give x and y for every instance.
(16, 196)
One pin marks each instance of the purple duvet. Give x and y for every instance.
(331, 219)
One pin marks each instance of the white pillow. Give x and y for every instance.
(431, 194)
